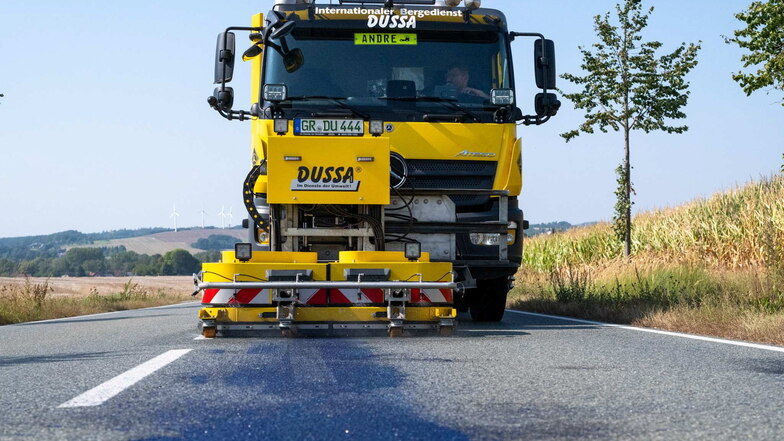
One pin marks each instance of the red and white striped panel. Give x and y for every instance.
(432, 296)
(356, 296)
(313, 296)
(259, 297)
(237, 297)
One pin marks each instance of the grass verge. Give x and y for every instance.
(739, 304)
(33, 301)
(713, 267)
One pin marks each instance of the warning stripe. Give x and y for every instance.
(259, 297)
(318, 297)
(356, 296)
(313, 296)
(431, 296)
(241, 297)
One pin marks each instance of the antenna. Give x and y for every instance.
(175, 215)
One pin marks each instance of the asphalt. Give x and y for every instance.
(529, 377)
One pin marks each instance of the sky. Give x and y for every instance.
(104, 124)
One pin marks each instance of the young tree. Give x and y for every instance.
(627, 87)
(763, 37)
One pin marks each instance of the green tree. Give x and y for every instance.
(76, 261)
(8, 267)
(179, 262)
(763, 38)
(627, 87)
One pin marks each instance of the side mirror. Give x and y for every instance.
(252, 52)
(546, 104)
(282, 30)
(224, 58)
(224, 99)
(293, 60)
(544, 63)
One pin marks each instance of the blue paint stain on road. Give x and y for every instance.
(304, 389)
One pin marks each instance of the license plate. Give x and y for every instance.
(329, 127)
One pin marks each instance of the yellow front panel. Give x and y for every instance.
(328, 170)
(421, 140)
(404, 272)
(256, 272)
(273, 257)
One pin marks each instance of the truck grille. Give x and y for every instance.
(436, 173)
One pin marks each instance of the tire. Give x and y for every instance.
(489, 302)
(462, 303)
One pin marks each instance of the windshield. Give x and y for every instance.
(410, 72)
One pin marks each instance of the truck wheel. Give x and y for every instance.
(489, 302)
(462, 302)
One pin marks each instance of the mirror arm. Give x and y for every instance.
(212, 101)
(230, 115)
(225, 40)
(541, 38)
(535, 120)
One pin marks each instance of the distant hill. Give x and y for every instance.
(31, 247)
(143, 241)
(160, 243)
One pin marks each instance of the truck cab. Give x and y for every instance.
(384, 126)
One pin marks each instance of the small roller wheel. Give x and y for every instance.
(287, 332)
(396, 332)
(446, 331)
(209, 332)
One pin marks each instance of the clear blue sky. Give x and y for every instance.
(105, 125)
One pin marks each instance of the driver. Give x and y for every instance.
(458, 77)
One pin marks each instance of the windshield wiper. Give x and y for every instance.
(335, 99)
(448, 102)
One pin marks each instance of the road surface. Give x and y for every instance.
(146, 375)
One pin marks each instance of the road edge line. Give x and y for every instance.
(104, 313)
(108, 389)
(657, 331)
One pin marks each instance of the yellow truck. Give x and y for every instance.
(385, 167)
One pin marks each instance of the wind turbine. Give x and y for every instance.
(222, 215)
(230, 216)
(175, 215)
(202, 216)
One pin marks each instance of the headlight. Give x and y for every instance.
(275, 92)
(243, 251)
(281, 126)
(485, 239)
(376, 127)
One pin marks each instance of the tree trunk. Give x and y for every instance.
(628, 214)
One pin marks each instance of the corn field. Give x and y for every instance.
(743, 227)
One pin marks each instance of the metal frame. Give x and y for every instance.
(503, 215)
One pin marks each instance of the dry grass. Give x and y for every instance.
(743, 227)
(712, 267)
(30, 299)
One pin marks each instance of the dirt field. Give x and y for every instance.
(161, 243)
(78, 287)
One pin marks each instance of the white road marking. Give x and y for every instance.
(99, 394)
(657, 331)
